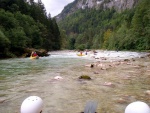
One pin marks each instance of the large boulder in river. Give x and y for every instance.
(86, 77)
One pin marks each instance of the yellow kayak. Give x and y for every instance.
(35, 57)
(81, 54)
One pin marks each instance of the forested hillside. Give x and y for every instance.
(92, 28)
(26, 25)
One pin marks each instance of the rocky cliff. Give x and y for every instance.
(119, 5)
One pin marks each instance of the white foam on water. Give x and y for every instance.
(63, 55)
(110, 55)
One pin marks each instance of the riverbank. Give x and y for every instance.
(23, 53)
(114, 58)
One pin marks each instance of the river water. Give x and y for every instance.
(22, 77)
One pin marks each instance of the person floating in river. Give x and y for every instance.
(81, 53)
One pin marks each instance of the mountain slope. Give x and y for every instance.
(119, 5)
(107, 28)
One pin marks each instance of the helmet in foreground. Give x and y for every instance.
(32, 104)
(137, 107)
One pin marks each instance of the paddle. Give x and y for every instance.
(90, 107)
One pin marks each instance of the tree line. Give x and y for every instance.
(26, 25)
(108, 29)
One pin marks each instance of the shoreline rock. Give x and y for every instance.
(40, 52)
(23, 53)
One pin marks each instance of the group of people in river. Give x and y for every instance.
(82, 53)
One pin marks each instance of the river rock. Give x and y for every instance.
(126, 60)
(90, 65)
(147, 92)
(40, 52)
(109, 84)
(122, 101)
(96, 72)
(85, 77)
(148, 55)
(58, 78)
(2, 100)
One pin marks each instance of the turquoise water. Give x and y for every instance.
(20, 78)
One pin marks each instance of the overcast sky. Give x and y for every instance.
(54, 7)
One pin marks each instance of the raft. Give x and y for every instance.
(81, 54)
(35, 57)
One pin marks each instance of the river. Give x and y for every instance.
(22, 77)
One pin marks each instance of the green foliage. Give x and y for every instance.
(107, 35)
(4, 42)
(71, 43)
(7, 20)
(25, 25)
(108, 29)
(56, 33)
(17, 37)
(87, 25)
(63, 40)
(81, 47)
(141, 25)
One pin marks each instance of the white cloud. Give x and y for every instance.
(54, 7)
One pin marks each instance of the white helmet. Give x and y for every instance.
(32, 104)
(137, 107)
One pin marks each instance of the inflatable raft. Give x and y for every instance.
(35, 57)
(81, 54)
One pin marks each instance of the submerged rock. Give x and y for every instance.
(96, 72)
(126, 60)
(85, 77)
(2, 101)
(109, 84)
(122, 101)
(58, 78)
(90, 65)
(147, 92)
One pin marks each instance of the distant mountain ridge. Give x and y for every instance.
(119, 5)
(106, 24)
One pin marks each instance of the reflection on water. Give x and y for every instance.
(20, 78)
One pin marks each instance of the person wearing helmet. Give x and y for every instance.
(32, 104)
(137, 107)
(34, 54)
